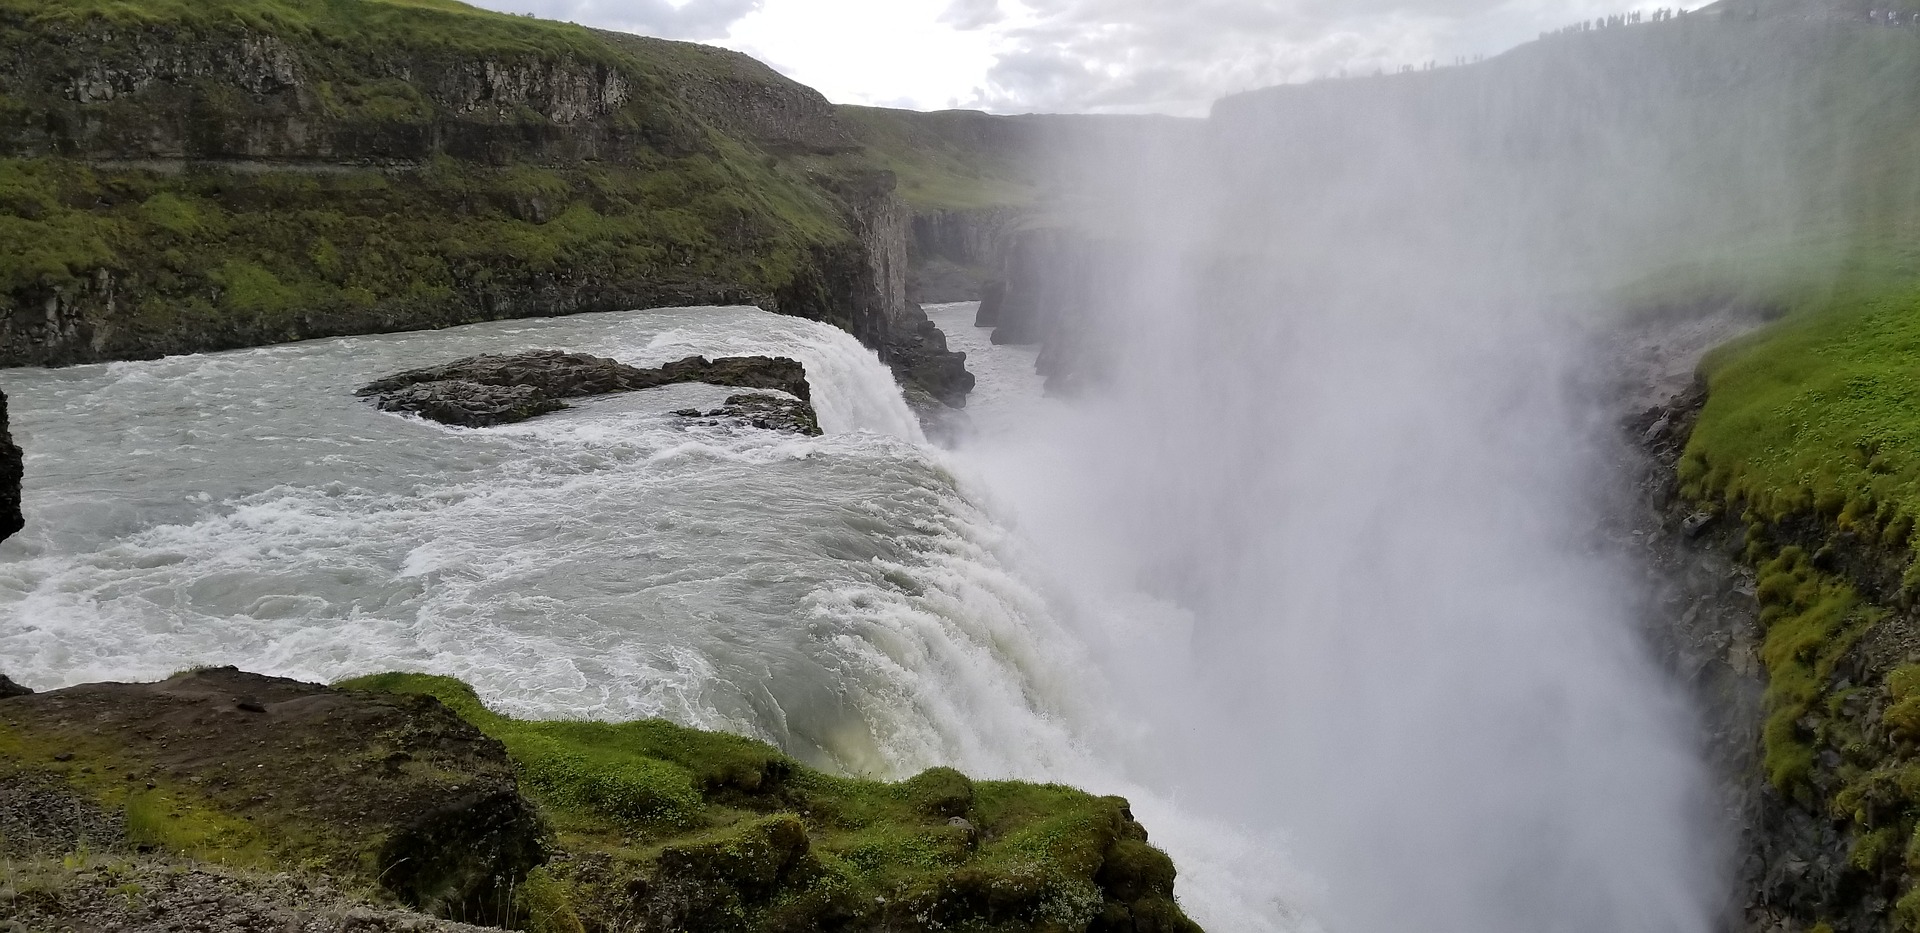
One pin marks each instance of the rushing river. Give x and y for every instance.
(858, 599)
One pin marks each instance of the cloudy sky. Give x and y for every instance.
(1128, 56)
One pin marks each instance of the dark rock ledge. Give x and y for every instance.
(483, 391)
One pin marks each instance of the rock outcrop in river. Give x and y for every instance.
(766, 412)
(488, 390)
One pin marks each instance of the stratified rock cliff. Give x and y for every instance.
(237, 172)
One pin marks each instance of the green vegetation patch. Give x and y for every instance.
(1817, 416)
(954, 160)
(1810, 436)
(426, 24)
(690, 829)
(163, 812)
(213, 258)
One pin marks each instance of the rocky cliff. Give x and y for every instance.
(958, 254)
(175, 180)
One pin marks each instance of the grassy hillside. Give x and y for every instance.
(179, 176)
(954, 160)
(419, 23)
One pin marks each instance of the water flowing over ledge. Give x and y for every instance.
(857, 599)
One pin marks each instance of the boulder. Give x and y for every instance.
(488, 390)
(393, 792)
(10, 689)
(767, 412)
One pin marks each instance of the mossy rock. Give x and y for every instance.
(407, 787)
(731, 835)
(389, 793)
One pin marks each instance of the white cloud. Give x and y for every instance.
(1169, 56)
(872, 51)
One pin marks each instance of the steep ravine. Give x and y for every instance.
(1819, 848)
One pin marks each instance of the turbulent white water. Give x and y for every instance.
(857, 598)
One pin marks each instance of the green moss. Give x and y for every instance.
(1811, 620)
(172, 817)
(740, 836)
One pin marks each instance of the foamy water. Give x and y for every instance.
(860, 599)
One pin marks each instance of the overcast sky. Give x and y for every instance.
(1078, 56)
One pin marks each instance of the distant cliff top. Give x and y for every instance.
(359, 63)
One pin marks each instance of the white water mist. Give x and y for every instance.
(1343, 433)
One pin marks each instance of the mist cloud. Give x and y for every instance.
(1151, 55)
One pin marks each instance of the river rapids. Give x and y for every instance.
(863, 600)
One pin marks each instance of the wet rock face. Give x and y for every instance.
(921, 361)
(11, 473)
(944, 424)
(766, 412)
(470, 404)
(395, 792)
(483, 391)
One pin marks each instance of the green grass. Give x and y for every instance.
(268, 253)
(953, 160)
(1817, 415)
(685, 200)
(420, 24)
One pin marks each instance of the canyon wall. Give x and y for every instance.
(211, 181)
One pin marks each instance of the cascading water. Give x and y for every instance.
(245, 508)
(853, 598)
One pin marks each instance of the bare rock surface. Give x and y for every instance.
(394, 793)
(139, 895)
